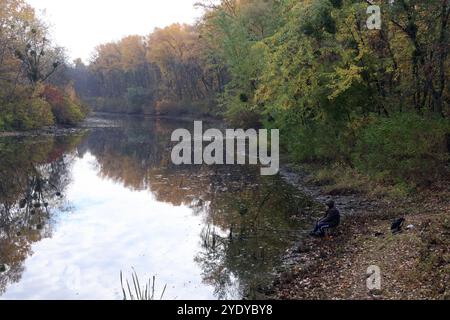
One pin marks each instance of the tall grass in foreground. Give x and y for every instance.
(147, 292)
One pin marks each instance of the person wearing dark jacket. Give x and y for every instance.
(331, 219)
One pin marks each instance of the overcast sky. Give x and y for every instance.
(80, 25)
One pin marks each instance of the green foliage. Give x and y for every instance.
(68, 113)
(66, 107)
(240, 115)
(316, 19)
(403, 148)
(26, 114)
(315, 142)
(341, 93)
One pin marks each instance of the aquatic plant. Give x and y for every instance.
(136, 292)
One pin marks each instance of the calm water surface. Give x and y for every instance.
(76, 210)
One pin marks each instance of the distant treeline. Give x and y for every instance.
(173, 70)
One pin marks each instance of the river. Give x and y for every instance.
(77, 210)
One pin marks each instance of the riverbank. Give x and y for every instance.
(47, 131)
(96, 120)
(414, 264)
(185, 117)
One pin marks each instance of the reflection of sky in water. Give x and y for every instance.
(110, 229)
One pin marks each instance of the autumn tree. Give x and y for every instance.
(28, 61)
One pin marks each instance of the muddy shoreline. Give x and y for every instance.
(48, 131)
(415, 264)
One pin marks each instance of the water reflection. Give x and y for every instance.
(111, 199)
(33, 178)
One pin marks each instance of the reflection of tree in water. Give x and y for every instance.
(234, 200)
(243, 211)
(126, 153)
(33, 177)
(255, 226)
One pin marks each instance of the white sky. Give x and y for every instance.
(80, 25)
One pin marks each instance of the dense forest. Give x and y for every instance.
(370, 100)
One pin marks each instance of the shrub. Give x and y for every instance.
(314, 142)
(27, 114)
(70, 113)
(240, 113)
(324, 141)
(403, 148)
(66, 109)
(40, 113)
